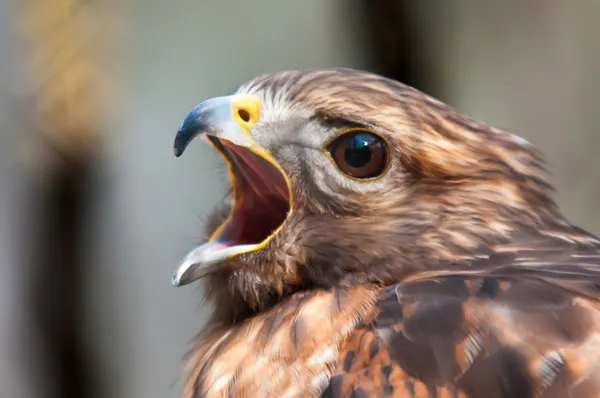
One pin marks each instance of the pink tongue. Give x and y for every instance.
(214, 247)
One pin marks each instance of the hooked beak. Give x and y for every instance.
(228, 118)
(261, 189)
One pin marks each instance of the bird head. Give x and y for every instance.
(341, 176)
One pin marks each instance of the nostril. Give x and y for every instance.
(244, 115)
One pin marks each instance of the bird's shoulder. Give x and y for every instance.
(522, 322)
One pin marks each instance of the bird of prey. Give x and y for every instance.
(381, 244)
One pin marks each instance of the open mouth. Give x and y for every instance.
(261, 190)
(261, 200)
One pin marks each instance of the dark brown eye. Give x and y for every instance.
(360, 154)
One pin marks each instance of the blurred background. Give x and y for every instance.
(96, 212)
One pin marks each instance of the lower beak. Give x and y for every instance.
(203, 260)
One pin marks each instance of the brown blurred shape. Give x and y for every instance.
(67, 105)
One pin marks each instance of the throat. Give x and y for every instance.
(254, 219)
(240, 294)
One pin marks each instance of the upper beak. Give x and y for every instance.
(228, 118)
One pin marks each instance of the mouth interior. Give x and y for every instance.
(261, 200)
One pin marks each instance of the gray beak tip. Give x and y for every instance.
(175, 280)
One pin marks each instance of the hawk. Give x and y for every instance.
(381, 244)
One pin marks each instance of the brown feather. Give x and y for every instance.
(474, 337)
(294, 347)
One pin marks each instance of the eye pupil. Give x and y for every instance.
(360, 154)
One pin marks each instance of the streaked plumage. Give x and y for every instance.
(452, 273)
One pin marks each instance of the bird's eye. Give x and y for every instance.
(360, 154)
